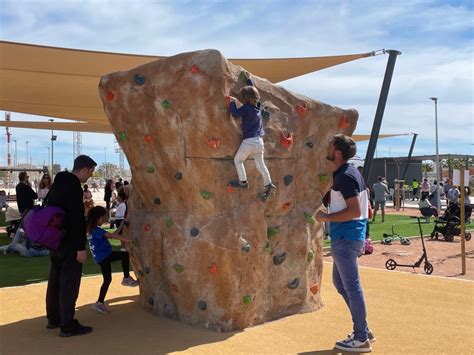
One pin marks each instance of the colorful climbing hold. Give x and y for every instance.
(301, 109)
(323, 178)
(293, 284)
(110, 96)
(286, 140)
(272, 232)
(246, 247)
(288, 179)
(147, 138)
(314, 288)
(150, 169)
(310, 256)
(194, 69)
(139, 79)
(123, 136)
(310, 145)
(309, 218)
(286, 205)
(178, 268)
(140, 272)
(214, 143)
(169, 223)
(267, 248)
(194, 232)
(157, 201)
(178, 175)
(166, 104)
(207, 195)
(344, 122)
(147, 228)
(243, 77)
(174, 288)
(151, 301)
(147, 270)
(213, 269)
(227, 103)
(136, 242)
(279, 259)
(229, 188)
(202, 305)
(247, 299)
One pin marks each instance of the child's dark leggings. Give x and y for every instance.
(106, 268)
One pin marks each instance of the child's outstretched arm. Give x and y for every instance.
(116, 234)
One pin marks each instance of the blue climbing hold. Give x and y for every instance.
(194, 232)
(279, 259)
(202, 305)
(178, 175)
(139, 79)
(288, 179)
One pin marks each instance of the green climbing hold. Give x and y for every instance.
(169, 223)
(267, 248)
(310, 256)
(265, 114)
(150, 169)
(309, 218)
(246, 299)
(178, 268)
(323, 178)
(123, 136)
(207, 195)
(166, 104)
(272, 232)
(243, 77)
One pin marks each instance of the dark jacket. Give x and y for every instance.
(66, 193)
(25, 197)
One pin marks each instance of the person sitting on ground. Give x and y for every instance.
(25, 195)
(23, 246)
(104, 255)
(252, 132)
(44, 186)
(380, 190)
(426, 205)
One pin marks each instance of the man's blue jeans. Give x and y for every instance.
(345, 276)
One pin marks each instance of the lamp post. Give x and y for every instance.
(27, 152)
(438, 202)
(53, 138)
(105, 162)
(49, 162)
(14, 158)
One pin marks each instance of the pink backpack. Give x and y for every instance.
(368, 247)
(44, 225)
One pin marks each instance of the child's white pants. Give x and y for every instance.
(252, 147)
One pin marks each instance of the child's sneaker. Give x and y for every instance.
(353, 345)
(266, 193)
(100, 307)
(238, 183)
(129, 281)
(370, 336)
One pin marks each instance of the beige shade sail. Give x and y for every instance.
(62, 83)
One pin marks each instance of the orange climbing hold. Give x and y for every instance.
(301, 109)
(230, 188)
(110, 96)
(314, 289)
(213, 269)
(286, 206)
(147, 228)
(344, 122)
(194, 69)
(286, 140)
(147, 138)
(214, 143)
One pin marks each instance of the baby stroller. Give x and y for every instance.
(449, 224)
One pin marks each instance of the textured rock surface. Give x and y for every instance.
(206, 254)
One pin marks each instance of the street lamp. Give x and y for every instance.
(105, 162)
(27, 152)
(438, 206)
(49, 161)
(14, 158)
(53, 138)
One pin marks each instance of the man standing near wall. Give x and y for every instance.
(380, 190)
(348, 219)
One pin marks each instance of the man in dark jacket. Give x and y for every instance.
(25, 195)
(66, 263)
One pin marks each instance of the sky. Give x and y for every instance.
(435, 37)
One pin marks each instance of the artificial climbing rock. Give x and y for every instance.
(177, 122)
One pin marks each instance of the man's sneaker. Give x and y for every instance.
(52, 325)
(239, 184)
(129, 281)
(370, 336)
(353, 345)
(100, 307)
(75, 329)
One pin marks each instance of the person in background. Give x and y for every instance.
(448, 184)
(433, 196)
(415, 186)
(425, 188)
(25, 195)
(87, 199)
(380, 190)
(424, 203)
(108, 193)
(44, 186)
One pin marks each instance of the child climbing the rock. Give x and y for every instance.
(252, 132)
(104, 255)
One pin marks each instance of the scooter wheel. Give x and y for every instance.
(405, 241)
(387, 241)
(428, 268)
(391, 264)
(467, 236)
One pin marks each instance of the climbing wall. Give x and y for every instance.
(204, 252)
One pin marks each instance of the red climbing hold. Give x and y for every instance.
(227, 102)
(344, 122)
(230, 188)
(194, 69)
(286, 206)
(174, 288)
(110, 96)
(147, 138)
(147, 228)
(314, 289)
(286, 139)
(301, 109)
(213, 269)
(214, 143)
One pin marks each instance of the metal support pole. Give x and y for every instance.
(438, 192)
(409, 155)
(369, 157)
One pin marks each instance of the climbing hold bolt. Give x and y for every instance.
(286, 140)
(178, 268)
(279, 259)
(288, 179)
(139, 79)
(202, 305)
(310, 256)
(166, 104)
(309, 218)
(293, 284)
(207, 195)
(194, 232)
(272, 232)
(247, 299)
